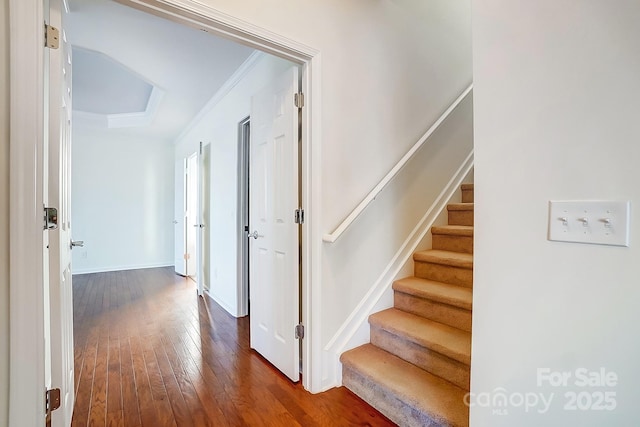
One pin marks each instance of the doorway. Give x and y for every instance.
(192, 201)
(244, 289)
(192, 215)
(27, 144)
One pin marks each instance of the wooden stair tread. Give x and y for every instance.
(446, 340)
(460, 206)
(442, 401)
(445, 293)
(453, 230)
(454, 259)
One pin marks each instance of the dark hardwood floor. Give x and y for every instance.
(148, 352)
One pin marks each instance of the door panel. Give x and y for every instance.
(179, 219)
(199, 222)
(192, 215)
(195, 218)
(58, 194)
(274, 256)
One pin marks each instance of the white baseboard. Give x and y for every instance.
(355, 330)
(227, 307)
(120, 268)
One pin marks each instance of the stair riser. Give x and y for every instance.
(448, 242)
(467, 196)
(433, 310)
(461, 217)
(444, 273)
(385, 401)
(425, 358)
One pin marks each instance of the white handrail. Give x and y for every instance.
(330, 238)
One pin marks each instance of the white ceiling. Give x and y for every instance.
(127, 61)
(104, 86)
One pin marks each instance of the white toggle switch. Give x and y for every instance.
(597, 222)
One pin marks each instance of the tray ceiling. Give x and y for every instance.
(137, 73)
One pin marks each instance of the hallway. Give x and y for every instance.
(147, 353)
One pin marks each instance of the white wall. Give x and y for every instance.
(359, 259)
(389, 69)
(4, 213)
(122, 203)
(218, 127)
(556, 117)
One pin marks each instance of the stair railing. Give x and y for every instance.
(332, 237)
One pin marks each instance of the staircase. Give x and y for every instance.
(416, 368)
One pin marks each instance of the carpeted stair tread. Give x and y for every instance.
(453, 259)
(446, 340)
(460, 206)
(385, 376)
(453, 230)
(445, 293)
(416, 370)
(467, 193)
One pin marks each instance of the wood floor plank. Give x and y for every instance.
(191, 398)
(115, 419)
(130, 411)
(98, 408)
(78, 364)
(146, 406)
(161, 403)
(158, 391)
(178, 405)
(150, 352)
(206, 381)
(114, 388)
(85, 385)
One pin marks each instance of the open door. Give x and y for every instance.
(59, 369)
(189, 217)
(244, 129)
(179, 222)
(194, 219)
(192, 215)
(274, 234)
(199, 215)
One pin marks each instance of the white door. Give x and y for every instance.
(200, 221)
(57, 191)
(273, 188)
(189, 218)
(192, 213)
(179, 221)
(194, 218)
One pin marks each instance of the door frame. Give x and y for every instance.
(244, 129)
(26, 69)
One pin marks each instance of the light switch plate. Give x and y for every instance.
(590, 221)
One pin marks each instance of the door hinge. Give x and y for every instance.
(298, 99)
(50, 218)
(299, 216)
(299, 331)
(51, 37)
(52, 400)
